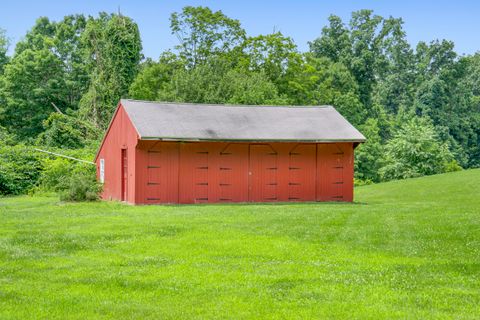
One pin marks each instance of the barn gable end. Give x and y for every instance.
(120, 135)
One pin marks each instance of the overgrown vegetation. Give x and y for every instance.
(19, 169)
(60, 87)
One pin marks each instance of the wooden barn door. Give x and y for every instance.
(194, 173)
(162, 176)
(263, 173)
(330, 171)
(124, 174)
(301, 173)
(233, 173)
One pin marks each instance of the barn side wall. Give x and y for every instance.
(121, 135)
(211, 172)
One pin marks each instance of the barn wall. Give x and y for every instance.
(121, 135)
(207, 172)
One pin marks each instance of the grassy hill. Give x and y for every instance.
(405, 249)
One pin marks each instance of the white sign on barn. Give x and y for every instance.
(102, 170)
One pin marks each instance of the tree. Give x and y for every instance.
(46, 68)
(113, 52)
(62, 39)
(66, 132)
(154, 77)
(70, 50)
(3, 50)
(446, 90)
(203, 33)
(372, 48)
(319, 81)
(334, 42)
(466, 129)
(274, 55)
(252, 88)
(216, 82)
(369, 155)
(33, 80)
(415, 150)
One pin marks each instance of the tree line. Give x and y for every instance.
(418, 107)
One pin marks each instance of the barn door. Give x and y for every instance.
(162, 174)
(301, 173)
(194, 173)
(233, 177)
(124, 174)
(263, 173)
(154, 175)
(330, 172)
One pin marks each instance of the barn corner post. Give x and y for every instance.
(164, 154)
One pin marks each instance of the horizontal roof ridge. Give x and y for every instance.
(226, 105)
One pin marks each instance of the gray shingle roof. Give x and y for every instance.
(183, 121)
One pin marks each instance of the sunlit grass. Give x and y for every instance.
(405, 249)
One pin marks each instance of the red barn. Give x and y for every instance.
(191, 153)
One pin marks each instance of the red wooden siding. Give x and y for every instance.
(302, 168)
(121, 135)
(263, 182)
(233, 173)
(208, 172)
(335, 172)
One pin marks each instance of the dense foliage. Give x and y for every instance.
(19, 169)
(418, 107)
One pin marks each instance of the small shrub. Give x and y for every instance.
(452, 166)
(360, 182)
(55, 172)
(81, 185)
(72, 180)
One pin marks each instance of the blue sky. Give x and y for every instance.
(301, 19)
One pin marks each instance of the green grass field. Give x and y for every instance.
(405, 249)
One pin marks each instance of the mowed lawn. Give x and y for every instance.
(405, 249)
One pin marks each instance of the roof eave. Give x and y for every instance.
(250, 140)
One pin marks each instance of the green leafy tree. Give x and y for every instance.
(154, 78)
(203, 33)
(252, 88)
(216, 82)
(319, 81)
(446, 90)
(334, 42)
(3, 50)
(66, 131)
(6, 138)
(466, 128)
(113, 52)
(33, 80)
(46, 69)
(369, 156)
(372, 48)
(62, 39)
(415, 150)
(272, 54)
